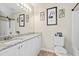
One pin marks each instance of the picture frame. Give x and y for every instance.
(52, 16)
(27, 18)
(21, 20)
(42, 16)
(61, 13)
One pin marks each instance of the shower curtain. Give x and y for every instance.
(75, 32)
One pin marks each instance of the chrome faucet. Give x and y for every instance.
(7, 38)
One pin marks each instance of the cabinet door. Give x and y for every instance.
(26, 48)
(12, 51)
(36, 45)
(31, 47)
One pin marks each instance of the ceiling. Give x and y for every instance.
(12, 8)
(77, 8)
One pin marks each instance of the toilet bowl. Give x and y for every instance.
(60, 51)
(59, 46)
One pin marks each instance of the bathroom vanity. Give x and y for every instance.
(26, 45)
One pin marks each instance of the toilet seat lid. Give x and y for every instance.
(60, 50)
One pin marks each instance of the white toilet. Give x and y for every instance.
(58, 46)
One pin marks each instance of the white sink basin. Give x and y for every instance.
(12, 41)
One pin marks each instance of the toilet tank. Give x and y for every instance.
(58, 41)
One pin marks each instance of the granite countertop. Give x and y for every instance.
(16, 40)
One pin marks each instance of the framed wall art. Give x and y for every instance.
(21, 20)
(61, 13)
(42, 16)
(27, 18)
(52, 16)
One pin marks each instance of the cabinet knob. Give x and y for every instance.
(21, 46)
(18, 47)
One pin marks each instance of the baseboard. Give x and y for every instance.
(47, 49)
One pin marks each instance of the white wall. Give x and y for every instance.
(64, 25)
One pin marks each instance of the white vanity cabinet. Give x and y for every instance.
(36, 45)
(26, 49)
(29, 47)
(14, 50)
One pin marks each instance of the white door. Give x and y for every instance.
(12, 51)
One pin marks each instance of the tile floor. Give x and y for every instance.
(46, 53)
